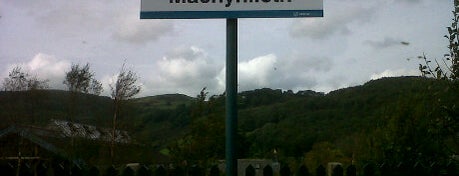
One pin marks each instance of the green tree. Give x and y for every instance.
(322, 153)
(124, 88)
(205, 139)
(24, 94)
(23, 99)
(446, 71)
(19, 80)
(80, 79)
(204, 143)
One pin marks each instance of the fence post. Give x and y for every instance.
(285, 171)
(111, 171)
(337, 171)
(268, 170)
(160, 171)
(214, 171)
(320, 171)
(369, 170)
(93, 171)
(351, 171)
(250, 171)
(303, 171)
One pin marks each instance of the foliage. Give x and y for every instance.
(448, 69)
(383, 120)
(205, 141)
(322, 153)
(124, 88)
(19, 80)
(446, 121)
(81, 79)
(22, 106)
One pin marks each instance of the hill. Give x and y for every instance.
(355, 123)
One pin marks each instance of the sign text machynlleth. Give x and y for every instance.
(189, 9)
(227, 2)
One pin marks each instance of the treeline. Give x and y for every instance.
(390, 120)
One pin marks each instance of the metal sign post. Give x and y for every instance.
(231, 96)
(231, 10)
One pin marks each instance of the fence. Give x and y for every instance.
(64, 168)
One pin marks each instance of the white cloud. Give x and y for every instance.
(257, 72)
(296, 72)
(395, 73)
(45, 67)
(49, 67)
(184, 70)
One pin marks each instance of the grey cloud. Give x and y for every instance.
(140, 32)
(72, 17)
(386, 43)
(337, 21)
(315, 64)
(410, 1)
(187, 53)
(84, 17)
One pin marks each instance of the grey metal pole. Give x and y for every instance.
(231, 96)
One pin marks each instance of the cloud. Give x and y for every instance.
(72, 18)
(301, 71)
(185, 70)
(305, 63)
(257, 72)
(386, 43)
(133, 30)
(410, 1)
(337, 20)
(83, 18)
(395, 73)
(296, 72)
(45, 67)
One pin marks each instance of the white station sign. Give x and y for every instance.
(190, 9)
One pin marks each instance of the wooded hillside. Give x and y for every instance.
(385, 120)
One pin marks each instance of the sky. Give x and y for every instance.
(356, 41)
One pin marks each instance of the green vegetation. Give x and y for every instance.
(389, 120)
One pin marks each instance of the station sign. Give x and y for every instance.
(201, 9)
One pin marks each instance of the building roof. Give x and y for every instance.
(30, 134)
(71, 129)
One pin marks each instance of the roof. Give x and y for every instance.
(29, 133)
(71, 129)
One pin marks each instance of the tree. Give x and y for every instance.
(124, 88)
(81, 80)
(204, 142)
(447, 73)
(19, 80)
(23, 93)
(20, 83)
(448, 69)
